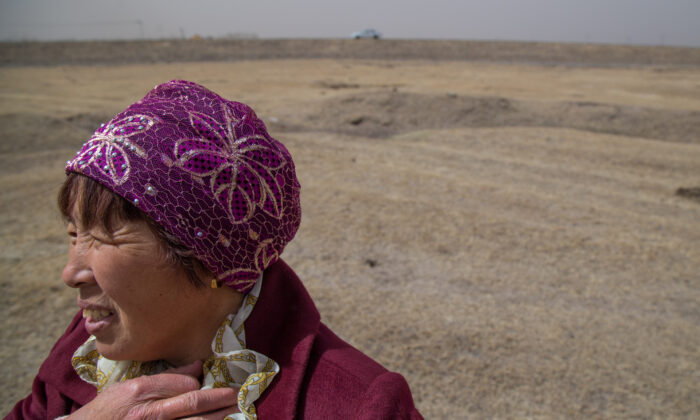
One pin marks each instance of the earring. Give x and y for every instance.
(214, 283)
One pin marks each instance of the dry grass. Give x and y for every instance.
(540, 268)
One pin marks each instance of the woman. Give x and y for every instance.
(177, 211)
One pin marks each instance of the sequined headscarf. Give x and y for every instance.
(207, 171)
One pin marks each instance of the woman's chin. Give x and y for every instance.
(114, 348)
(111, 353)
(124, 350)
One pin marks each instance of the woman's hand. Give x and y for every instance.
(172, 394)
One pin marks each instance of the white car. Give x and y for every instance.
(366, 33)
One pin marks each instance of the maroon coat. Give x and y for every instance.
(321, 376)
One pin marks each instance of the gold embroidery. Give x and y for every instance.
(219, 338)
(239, 335)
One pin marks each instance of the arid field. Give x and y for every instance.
(513, 227)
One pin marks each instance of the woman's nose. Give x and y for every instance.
(76, 273)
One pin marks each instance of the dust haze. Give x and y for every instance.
(513, 227)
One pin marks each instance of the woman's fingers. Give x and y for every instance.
(138, 398)
(215, 415)
(195, 403)
(163, 385)
(169, 395)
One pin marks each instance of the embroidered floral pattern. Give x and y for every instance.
(238, 164)
(206, 170)
(109, 148)
(265, 254)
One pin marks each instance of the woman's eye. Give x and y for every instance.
(101, 238)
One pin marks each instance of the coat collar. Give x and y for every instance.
(282, 326)
(57, 369)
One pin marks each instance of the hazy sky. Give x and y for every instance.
(667, 22)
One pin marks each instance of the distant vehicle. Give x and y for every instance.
(366, 33)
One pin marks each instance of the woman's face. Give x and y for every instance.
(136, 304)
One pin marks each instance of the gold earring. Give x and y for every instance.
(214, 283)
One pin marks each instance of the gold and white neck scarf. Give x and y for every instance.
(231, 365)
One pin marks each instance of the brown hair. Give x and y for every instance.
(100, 207)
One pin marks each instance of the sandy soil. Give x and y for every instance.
(508, 234)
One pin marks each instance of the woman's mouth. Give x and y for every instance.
(96, 314)
(96, 320)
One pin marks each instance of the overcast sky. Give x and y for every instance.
(656, 22)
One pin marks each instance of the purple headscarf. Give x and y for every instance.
(207, 171)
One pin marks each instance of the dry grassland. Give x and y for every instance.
(508, 236)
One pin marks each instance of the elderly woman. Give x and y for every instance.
(177, 212)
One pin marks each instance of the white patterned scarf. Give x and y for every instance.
(231, 365)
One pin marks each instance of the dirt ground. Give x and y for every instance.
(517, 233)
